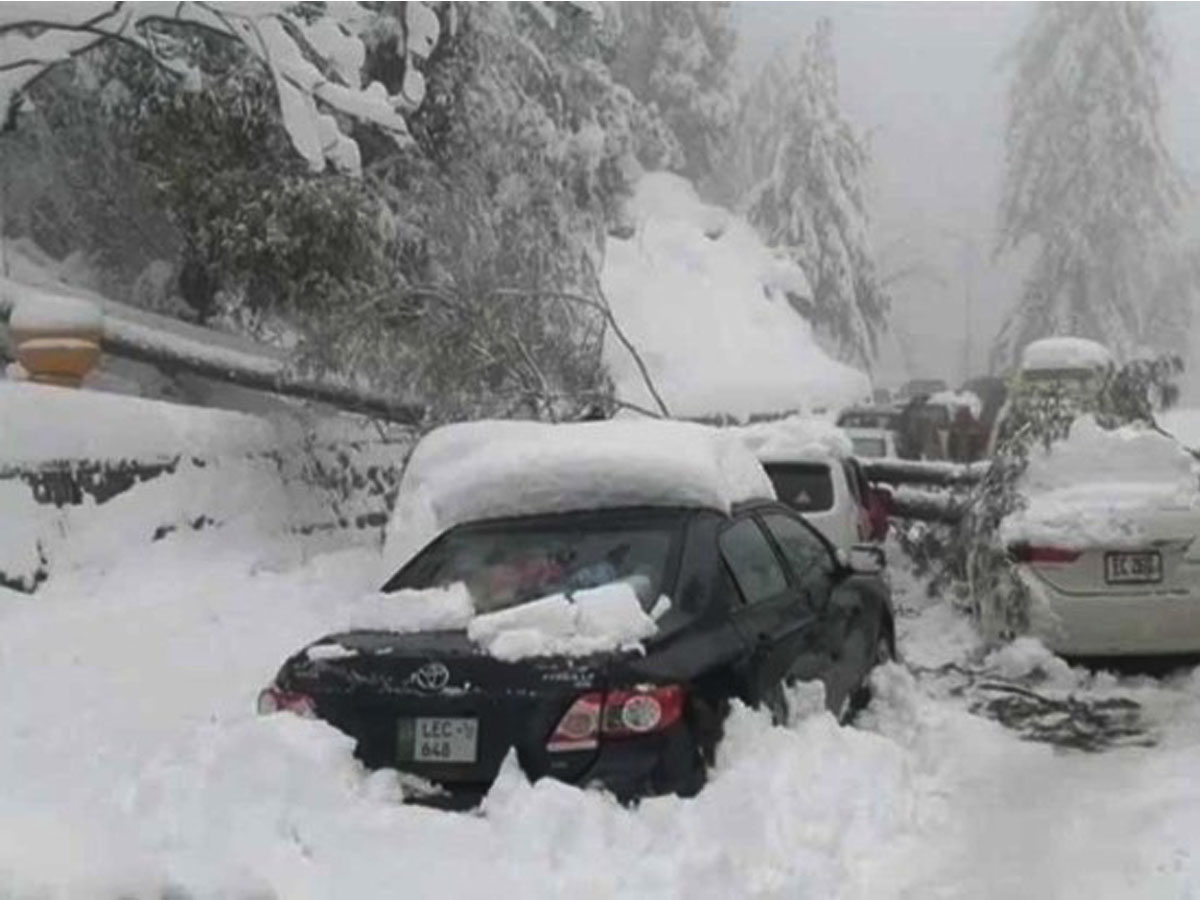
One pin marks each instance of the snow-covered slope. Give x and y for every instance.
(702, 299)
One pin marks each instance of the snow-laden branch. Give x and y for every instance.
(316, 63)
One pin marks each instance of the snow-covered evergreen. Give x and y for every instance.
(678, 58)
(805, 168)
(1090, 182)
(315, 57)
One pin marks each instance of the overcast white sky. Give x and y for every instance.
(928, 84)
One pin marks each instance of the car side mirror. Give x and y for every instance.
(866, 559)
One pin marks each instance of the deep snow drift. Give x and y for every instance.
(702, 299)
(132, 765)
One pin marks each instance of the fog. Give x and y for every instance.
(927, 82)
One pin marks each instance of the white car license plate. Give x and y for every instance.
(449, 740)
(1133, 568)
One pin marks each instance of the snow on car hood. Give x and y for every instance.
(597, 620)
(1117, 487)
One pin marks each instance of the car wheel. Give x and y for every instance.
(774, 700)
(861, 697)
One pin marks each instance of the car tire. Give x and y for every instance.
(775, 701)
(884, 653)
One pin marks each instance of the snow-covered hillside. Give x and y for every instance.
(702, 299)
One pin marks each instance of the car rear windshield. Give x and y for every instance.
(806, 487)
(509, 563)
(869, 447)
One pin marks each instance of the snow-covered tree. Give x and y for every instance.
(678, 58)
(314, 52)
(1090, 184)
(802, 169)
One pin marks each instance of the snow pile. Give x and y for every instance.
(1028, 657)
(40, 423)
(473, 471)
(174, 470)
(702, 299)
(1065, 353)
(1101, 486)
(605, 618)
(796, 437)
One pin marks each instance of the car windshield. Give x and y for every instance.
(506, 564)
(869, 446)
(806, 487)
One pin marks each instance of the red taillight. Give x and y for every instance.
(273, 700)
(617, 714)
(579, 728)
(1028, 553)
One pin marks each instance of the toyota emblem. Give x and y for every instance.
(431, 677)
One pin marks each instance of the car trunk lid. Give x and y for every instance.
(435, 705)
(1129, 551)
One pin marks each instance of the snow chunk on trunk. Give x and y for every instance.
(605, 618)
(425, 609)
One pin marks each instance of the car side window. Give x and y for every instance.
(805, 553)
(754, 565)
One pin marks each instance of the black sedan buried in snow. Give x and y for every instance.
(758, 599)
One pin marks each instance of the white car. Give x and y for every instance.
(872, 443)
(1107, 543)
(1072, 365)
(810, 463)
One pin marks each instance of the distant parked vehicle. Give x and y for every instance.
(921, 387)
(873, 443)
(884, 417)
(1069, 367)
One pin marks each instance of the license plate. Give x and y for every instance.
(1133, 568)
(438, 740)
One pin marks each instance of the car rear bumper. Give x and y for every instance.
(629, 769)
(1103, 625)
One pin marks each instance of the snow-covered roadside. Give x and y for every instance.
(131, 764)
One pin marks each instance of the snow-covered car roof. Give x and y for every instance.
(796, 438)
(1065, 353)
(1098, 484)
(474, 471)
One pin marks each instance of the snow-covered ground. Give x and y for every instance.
(132, 765)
